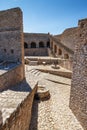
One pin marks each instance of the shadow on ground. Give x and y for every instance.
(34, 118)
(23, 86)
(58, 82)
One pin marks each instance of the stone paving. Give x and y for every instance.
(54, 114)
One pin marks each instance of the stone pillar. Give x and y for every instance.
(78, 96)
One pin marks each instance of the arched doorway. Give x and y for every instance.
(59, 51)
(33, 45)
(25, 45)
(41, 45)
(66, 56)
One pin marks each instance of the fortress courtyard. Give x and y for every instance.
(43, 78)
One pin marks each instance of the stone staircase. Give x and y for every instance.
(42, 91)
(35, 72)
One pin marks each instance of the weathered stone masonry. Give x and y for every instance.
(11, 77)
(11, 32)
(16, 106)
(78, 98)
(11, 46)
(36, 44)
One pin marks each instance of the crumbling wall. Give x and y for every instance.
(78, 97)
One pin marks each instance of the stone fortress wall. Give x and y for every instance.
(11, 35)
(78, 98)
(36, 44)
(11, 48)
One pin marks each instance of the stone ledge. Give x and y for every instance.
(67, 74)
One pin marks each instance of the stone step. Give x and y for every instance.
(35, 72)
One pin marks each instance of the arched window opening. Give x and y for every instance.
(25, 45)
(55, 48)
(48, 44)
(59, 52)
(33, 45)
(66, 56)
(41, 45)
(12, 51)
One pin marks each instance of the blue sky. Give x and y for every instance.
(43, 16)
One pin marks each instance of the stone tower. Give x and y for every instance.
(11, 47)
(11, 35)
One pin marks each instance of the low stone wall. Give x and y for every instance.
(11, 77)
(21, 116)
(47, 60)
(40, 60)
(67, 64)
(36, 52)
(60, 73)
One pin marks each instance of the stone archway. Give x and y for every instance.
(59, 51)
(41, 44)
(66, 56)
(33, 45)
